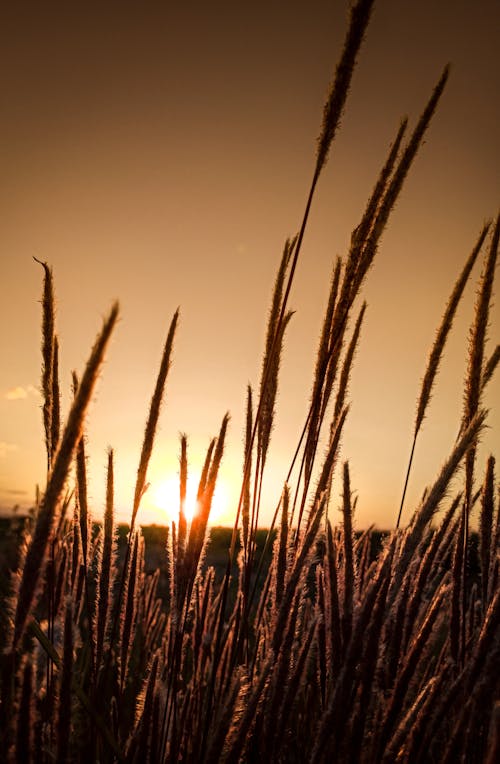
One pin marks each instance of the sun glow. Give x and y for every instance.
(166, 500)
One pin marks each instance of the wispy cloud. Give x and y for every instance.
(18, 393)
(6, 448)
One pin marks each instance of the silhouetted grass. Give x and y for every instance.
(305, 642)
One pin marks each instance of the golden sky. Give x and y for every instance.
(161, 154)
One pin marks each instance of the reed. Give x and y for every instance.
(437, 352)
(107, 567)
(35, 561)
(342, 646)
(48, 340)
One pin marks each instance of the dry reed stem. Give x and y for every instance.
(280, 670)
(282, 552)
(129, 611)
(211, 708)
(76, 548)
(296, 572)
(245, 509)
(348, 556)
(204, 473)
(271, 360)
(424, 569)
(472, 396)
(486, 527)
(490, 367)
(474, 708)
(107, 568)
(332, 608)
(408, 668)
(64, 706)
(152, 421)
(359, 19)
(472, 393)
(238, 735)
(55, 423)
(401, 171)
(489, 634)
(366, 672)
(347, 365)
(269, 391)
(429, 506)
(477, 342)
(48, 335)
(361, 233)
(443, 331)
(335, 715)
(395, 626)
(81, 482)
(408, 750)
(437, 352)
(222, 724)
(358, 22)
(295, 683)
(322, 356)
(395, 748)
(26, 716)
(61, 580)
(36, 554)
(324, 376)
(327, 467)
(183, 464)
(200, 520)
(144, 744)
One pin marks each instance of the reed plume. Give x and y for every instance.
(281, 561)
(64, 712)
(26, 716)
(479, 329)
(181, 537)
(486, 527)
(152, 421)
(129, 610)
(348, 556)
(347, 365)
(247, 461)
(430, 504)
(490, 367)
(437, 352)
(358, 22)
(36, 555)
(55, 418)
(48, 338)
(106, 571)
(350, 635)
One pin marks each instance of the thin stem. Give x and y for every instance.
(406, 479)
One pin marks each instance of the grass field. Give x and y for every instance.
(304, 642)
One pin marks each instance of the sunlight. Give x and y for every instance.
(165, 499)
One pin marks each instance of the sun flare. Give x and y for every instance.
(166, 500)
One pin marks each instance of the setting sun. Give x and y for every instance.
(165, 500)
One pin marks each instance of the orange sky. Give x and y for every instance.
(161, 155)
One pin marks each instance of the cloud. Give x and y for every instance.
(6, 448)
(18, 393)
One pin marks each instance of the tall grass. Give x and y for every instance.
(338, 650)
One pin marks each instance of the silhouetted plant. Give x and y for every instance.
(334, 651)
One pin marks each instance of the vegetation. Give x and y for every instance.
(338, 649)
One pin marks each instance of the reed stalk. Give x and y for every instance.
(34, 564)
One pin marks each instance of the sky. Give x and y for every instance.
(161, 153)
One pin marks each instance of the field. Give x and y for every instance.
(308, 641)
